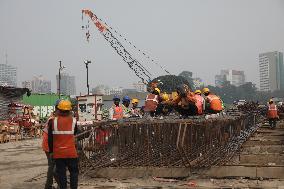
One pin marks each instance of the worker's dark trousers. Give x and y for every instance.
(50, 172)
(72, 165)
(272, 122)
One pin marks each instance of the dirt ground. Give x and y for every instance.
(23, 165)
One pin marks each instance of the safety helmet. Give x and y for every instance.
(271, 101)
(197, 91)
(165, 97)
(134, 100)
(205, 90)
(116, 98)
(65, 105)
(158, 90)
(126, 99)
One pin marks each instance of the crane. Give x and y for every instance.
(139, 70)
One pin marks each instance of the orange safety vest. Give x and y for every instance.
(272, 111)
(151, 102)
(102, 136)
(45, 137)
(215, 102)
(199, 104)
(117, 112)
(63, 129)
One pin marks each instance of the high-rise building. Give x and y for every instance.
(27, 84)
(8, 75)
(271, 71)
(234, 77)
(40, 85)
(67, 84)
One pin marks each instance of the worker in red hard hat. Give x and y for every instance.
(272, 114)
(51, 165)
(61, 142)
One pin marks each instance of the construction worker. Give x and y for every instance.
(125, 107)
(115, 112)
(200, 102)
(152, 101)
(272, 114)
(184, 102)
(213, 102)
(135, 110)
(61, 142)
(51, 165)
(163, 107)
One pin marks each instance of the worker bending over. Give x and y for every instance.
(152, 101)
(213, 102)
(200, 102)
(115, 112)
(61, 142)
(185, 102)
(272, 114)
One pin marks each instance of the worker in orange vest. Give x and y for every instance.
(272, 114)
(61, 142)
(116, 111)
(185, 102)
(200, 102)
(152, 101)
(213, 102)
(51, 165)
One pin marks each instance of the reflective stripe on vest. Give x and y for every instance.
(272, 107)
(57, 132)
(155, 99)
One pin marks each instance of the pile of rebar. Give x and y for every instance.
(195, 142)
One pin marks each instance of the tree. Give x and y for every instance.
(188, 76)
(168, 83)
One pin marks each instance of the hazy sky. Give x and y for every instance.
(202, 36)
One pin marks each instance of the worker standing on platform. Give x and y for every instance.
(213, 102)
(200, 102)
(125, 107)
(135, 110)
(152, 101)
(51, 164)
(115, 112)
(61, 142)
(272, 114)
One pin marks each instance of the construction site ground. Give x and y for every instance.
(23, 165)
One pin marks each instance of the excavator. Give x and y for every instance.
(111, 35)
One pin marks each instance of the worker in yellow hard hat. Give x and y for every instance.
(200, 102)
(213, 102)
(164, 108)
(135, 110)
(61, 143)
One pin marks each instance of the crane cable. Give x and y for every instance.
(129, 42)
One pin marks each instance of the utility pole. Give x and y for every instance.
(59, 77)
(87, 62)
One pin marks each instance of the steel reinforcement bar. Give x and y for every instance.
(195, 143)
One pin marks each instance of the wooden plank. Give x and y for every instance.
(140, 172)
(262, 159)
